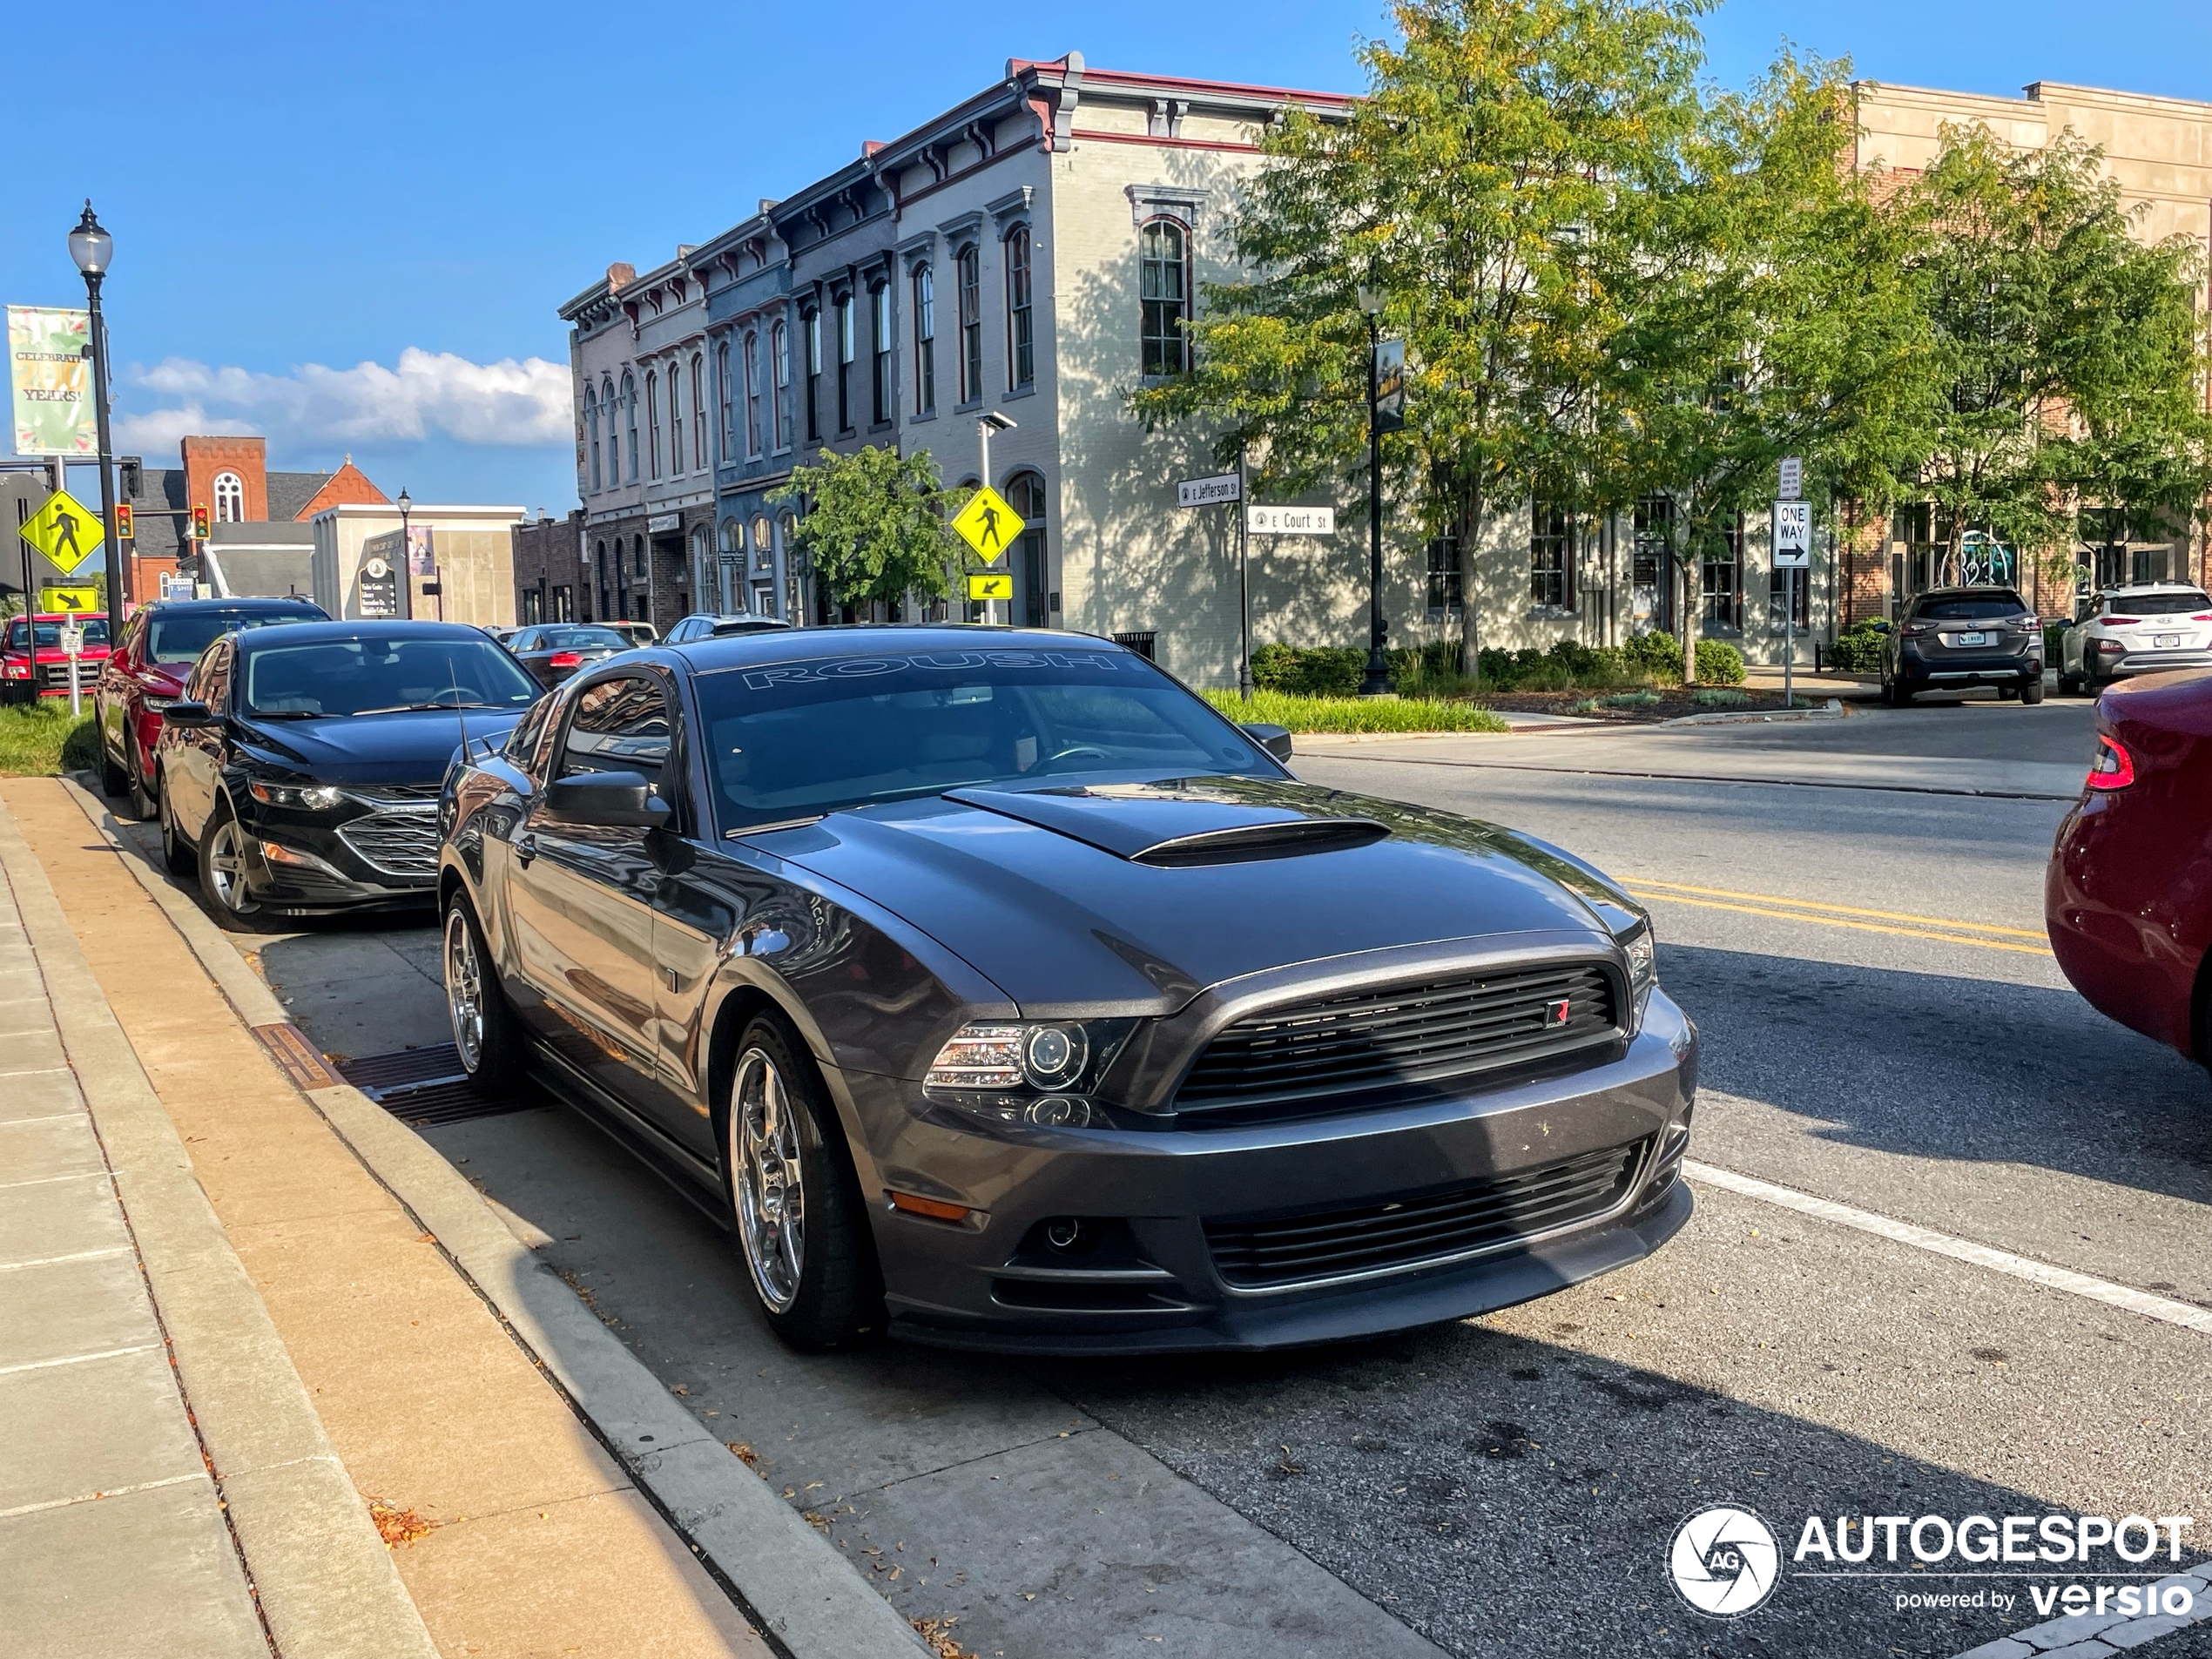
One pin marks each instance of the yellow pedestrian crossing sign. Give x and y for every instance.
(63, 531)
(991, 587)
(988, 525)
(67, 602)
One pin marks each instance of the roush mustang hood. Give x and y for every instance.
(1146, 893)
(409, 748)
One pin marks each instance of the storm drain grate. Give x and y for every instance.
(425, 1087)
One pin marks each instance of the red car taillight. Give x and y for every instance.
(565, 659)
(2113, 767)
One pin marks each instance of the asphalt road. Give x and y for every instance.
(1508, 1485)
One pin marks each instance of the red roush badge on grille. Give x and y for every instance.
(1557, 1010)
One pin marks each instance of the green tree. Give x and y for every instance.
(874, 524)
(2066, 357)
(1498, 145)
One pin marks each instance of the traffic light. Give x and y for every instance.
(199, 522)
(122, 531)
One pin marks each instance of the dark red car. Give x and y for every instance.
(32, 662)
(147, 673)
(2128, 897)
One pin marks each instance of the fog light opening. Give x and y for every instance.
(1064, 1233)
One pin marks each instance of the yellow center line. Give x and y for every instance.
(1843, 909)
(1860, 927)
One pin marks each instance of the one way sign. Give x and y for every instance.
(1792, 535)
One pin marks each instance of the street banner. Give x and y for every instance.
(50, 378)
(421, 552)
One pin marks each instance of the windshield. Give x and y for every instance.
(49, 634)
(796, 740)
(579, 639)
(381, 676)
(1980, 607)
(181, 638)
(2157, 604)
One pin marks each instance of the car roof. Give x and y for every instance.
(186, 607)
(2153, 587)
(806, 644)
(1966, 593)
(304, 633)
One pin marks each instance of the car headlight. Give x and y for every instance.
(309, 798)
(1048, 1055)
(1641, 949)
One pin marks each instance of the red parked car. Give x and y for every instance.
(33, 665)
(2128, 897)
(147, 672)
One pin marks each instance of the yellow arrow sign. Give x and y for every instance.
(987, 524)
(69, 601)
(63, 530)
(991, 587)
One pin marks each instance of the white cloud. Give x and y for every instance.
(426, 394)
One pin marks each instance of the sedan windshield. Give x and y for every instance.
(800, 738)
(2158, 604)
(382, 676)
(579, 639)
(1979, 607)
(181, 638)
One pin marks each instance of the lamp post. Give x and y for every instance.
(984, 426)
(93, 249)
(1377, 681)
(407, 553)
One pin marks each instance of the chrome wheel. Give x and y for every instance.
(464, 989)
(764, 1169)
(226, 868)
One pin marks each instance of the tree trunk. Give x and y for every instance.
(1470, 540)
(1686, 572)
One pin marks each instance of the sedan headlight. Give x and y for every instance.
(1642, 952)
(1050, 1055)
(309, 798)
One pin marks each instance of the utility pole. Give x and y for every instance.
(1244, 579)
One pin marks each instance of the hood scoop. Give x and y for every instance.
(1179, 826)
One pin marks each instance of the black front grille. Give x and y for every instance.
(1326, 1244)
(395, 843)
(1424, 1033)
(395, 792)
(56, 674)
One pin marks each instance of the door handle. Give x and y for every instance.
(525, 850)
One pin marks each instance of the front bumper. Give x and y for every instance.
(304, 864)
(2150, 662)
(1167, 1202)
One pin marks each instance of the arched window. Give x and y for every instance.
(722, 395)
(1025, 492)
(1020, 336)
(698, 414)
(779, 354)
(811, 322)
(230, 498)
(970, 262)
(592, 430)
(630, 410)
(652, 424)
(845, 351)
(882, 345)
(752, 395)
(764, 545)
(675, 418)
(925, 341)
(1165, 286)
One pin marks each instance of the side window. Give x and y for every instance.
(527, 738)
(212, 679)
(620, 724)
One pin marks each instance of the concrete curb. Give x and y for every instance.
(793, 1581)
(1832, 709)
(326, 1583)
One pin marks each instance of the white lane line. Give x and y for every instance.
(76, 1358)
(74, 1256)
(110, 1491)
(1998, 1261)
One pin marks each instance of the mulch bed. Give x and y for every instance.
(1673, 704)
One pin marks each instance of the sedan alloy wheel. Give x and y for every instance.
(766, 1171)
(225, 858)
(464, 989)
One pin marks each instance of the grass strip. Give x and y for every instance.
(1352, 714)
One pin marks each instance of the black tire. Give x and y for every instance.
(142, 807)
(2007, 693)
(497, 1057)
(180, 857)
(2069, 684)
(114, 779)
(1901, 693)
(2032, 692)
(835, 1298)
(222, 879)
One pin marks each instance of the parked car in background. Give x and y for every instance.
(997, 985)
(147, 672)
(33, 664)
(553, 650)
(706, 624)
(2151, 629)
(638, 633)
(1955, 639)
(298, 774)
(2127, 894)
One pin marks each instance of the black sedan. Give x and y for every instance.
(996, 988)
(300, 774)
(554, 651)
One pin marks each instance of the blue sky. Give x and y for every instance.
(299, 191)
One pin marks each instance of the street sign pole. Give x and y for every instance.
(1789, 639)
(1244, 584)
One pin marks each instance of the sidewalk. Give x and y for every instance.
(511, 1528)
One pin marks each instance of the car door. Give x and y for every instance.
(194, 760)
(112, 691)
(580, 898)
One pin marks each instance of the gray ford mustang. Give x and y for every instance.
(994, 989)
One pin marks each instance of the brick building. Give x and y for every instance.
(552, 581)
(230, 476)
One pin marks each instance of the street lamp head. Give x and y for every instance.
(89, 245)
(998, 422)
(406, 501)
(1371, 300)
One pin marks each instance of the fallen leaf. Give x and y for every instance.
(396, 1526)
(746, 1455)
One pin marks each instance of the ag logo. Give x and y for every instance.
(1724, 1562)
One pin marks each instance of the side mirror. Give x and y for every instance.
(607, 801)
(190, 717)
(1276, 739)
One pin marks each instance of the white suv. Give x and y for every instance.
(2144, 630)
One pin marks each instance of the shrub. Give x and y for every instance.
(1632, 700)
(1857, 649)
(1712, 699)
(1657, 653)
(1719, 663)
(1308, 670)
